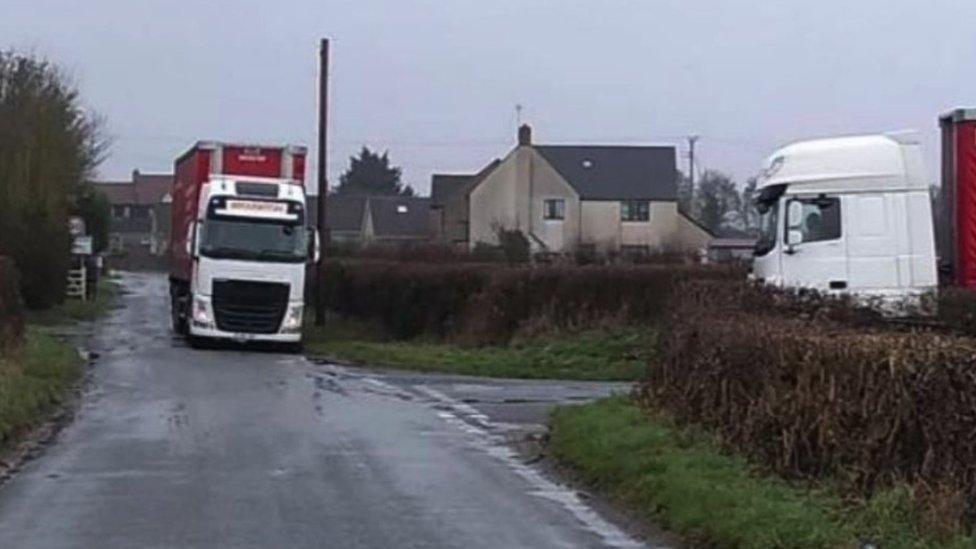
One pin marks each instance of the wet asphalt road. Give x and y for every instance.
(173, 447)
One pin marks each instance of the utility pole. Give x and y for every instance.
(692, 139)
(323, 184)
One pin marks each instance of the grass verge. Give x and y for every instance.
(593, 355)
(681, 479)
(75, 310)
(33, 380)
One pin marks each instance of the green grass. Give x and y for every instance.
(593, 355)
(681, 479)
(74, 310)
(34, 379)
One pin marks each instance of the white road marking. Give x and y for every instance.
(477, 424)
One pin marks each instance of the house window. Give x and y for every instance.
(635, 210)
(635, 250)
(554, 208)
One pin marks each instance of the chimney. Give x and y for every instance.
(525, 135)
(135, 175)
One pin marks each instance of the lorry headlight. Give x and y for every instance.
(201, 312)
(293, 320)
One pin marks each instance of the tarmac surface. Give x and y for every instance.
(175, 447)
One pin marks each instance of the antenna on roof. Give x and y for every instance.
(518, 115)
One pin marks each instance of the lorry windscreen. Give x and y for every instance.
(253, 240)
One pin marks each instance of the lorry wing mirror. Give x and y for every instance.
(191, 239)
(794, 237)
(794, 214)
(315, 246)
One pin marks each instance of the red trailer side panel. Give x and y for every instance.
(965, 190)
(298, 166)
(191, 171)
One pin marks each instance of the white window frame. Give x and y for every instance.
(561, 209)
(626, 204)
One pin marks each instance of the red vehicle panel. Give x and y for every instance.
(205, 159)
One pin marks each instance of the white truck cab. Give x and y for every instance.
(847, 215)
(251, 248)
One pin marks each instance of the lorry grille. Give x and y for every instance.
(249, 307)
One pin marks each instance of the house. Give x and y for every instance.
(603, 198)
(140, 213)
(449, 195)
(374, 220)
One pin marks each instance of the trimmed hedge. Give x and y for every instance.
(491, 303)
(11, 306)
(823, 392)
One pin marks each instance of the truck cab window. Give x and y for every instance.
(768, 219)
(820, 219)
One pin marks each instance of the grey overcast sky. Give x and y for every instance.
(436, 81)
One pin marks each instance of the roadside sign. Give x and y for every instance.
(82, 245)
(76, 226)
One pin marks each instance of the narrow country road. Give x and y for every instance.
(173, 447)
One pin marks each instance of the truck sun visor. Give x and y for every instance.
(769, 195)
(256, 208)
(251, 188)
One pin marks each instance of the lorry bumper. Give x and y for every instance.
(212, 333)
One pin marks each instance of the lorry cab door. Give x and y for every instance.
(873, 240)
(815, 249)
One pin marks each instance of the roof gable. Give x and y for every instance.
(599, 172)
(444, 187)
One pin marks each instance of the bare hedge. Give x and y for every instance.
(11, 308)
(490, 303)
(810, 393)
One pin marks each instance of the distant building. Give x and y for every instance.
(449, 196)
(396, 220)
(373, 220)
(563, 198)
(731, 250)
(140, 213)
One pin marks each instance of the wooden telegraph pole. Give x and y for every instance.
(323, 184)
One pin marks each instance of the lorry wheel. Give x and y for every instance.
(293, 348)
(197, 342)
(179, 322)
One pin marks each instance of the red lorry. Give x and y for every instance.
(239, 244)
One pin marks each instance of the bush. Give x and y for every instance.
(490, 303)
(49, 145)
(814, 388)
(11, 310)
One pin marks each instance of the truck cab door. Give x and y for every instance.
(815, 248)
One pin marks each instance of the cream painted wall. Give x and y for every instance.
(558, 235)
(603, 227)
(493, 203)
(512, 197)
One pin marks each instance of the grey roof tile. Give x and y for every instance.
(599, 172)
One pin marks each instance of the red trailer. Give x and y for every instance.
(207, 158)
(238, 241)
(956, 225)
